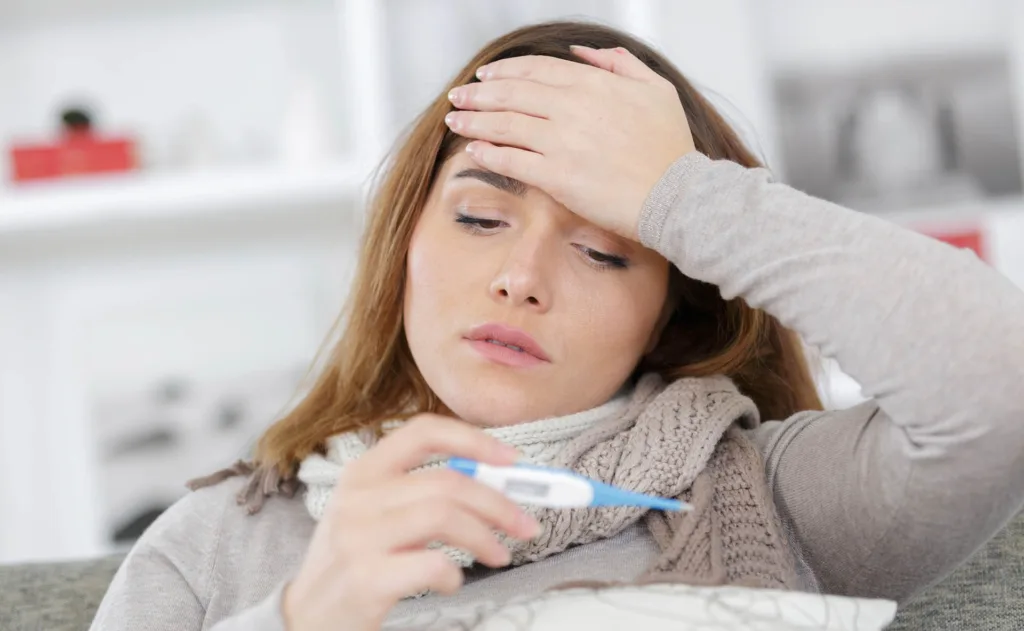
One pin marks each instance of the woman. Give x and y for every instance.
(606, 257)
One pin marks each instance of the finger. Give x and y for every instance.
(503, 128)
(511, 95)
(520, 164)
(550, 71)
(413, 526)
(425, 436)
(618, 61)
(443, 485)
(402, 575)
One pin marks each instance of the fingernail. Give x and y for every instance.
(454, 95)
(452, 120)
(483, 72)
(506, 450)
(580, 47)
(621, 50)
(471, 149)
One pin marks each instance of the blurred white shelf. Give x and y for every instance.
(106, 200)
(17, 13)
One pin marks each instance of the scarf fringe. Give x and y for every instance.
(263, 482)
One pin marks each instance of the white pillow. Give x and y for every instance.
(675, 607)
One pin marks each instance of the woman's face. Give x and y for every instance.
(516, 309)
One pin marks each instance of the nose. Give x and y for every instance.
(523, 279)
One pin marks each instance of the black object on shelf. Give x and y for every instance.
(133, 528)
(155, 439)
(76, 120)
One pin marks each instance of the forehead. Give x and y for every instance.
(459, 161)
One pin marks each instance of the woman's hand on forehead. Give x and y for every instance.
(596, 136)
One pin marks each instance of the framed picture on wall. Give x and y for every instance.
(917, 132)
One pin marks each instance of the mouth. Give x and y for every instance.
(507, 345)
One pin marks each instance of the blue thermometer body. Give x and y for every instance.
(557, 488)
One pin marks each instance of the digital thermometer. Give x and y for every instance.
(557, 488)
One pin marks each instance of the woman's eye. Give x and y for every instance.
(602, 260)
(478, 223)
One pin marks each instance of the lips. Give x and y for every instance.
(511, 338)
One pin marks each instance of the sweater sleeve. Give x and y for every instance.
(889, 496)
(164, 584)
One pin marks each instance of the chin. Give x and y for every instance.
(497, 411)
(490, 400)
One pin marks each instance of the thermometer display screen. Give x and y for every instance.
(527, 488)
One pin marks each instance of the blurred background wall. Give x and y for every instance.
(182, 186)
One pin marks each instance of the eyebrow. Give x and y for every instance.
(498, 181)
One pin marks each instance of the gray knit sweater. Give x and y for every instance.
(879, 500)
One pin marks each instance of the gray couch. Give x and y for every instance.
(985, 594)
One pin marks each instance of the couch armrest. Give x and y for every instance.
(54, 596)
(986, 593)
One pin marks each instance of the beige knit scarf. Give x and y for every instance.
(683, 440)
(538, 443)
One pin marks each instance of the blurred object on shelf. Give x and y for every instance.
(898, 143)
(305, 133)
(80, 150)
(968, 238)
(919, 132)
(153, 439)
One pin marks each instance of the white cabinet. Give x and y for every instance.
(152, 323)
(126, 371)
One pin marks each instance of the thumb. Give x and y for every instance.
(617, 61)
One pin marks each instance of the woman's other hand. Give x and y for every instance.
(370, 549)
(597, 137)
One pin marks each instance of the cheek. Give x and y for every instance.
(617, 321)
(435, 276)
(423, 272)
(421, 266)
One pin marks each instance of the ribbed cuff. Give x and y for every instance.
(665, 195)
(268, 615)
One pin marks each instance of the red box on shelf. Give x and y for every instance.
(75, 154)
(970, 238)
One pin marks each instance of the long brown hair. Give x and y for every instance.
(369, 375)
